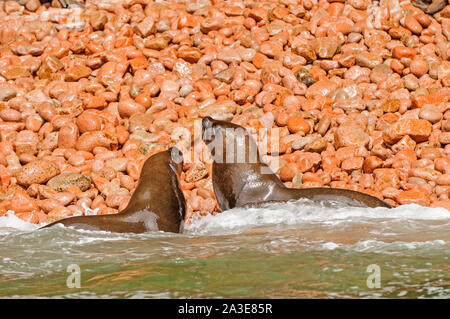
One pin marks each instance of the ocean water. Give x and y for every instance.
(291, 250)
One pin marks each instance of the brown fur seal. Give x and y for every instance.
(241, 178)
(430, 7)
(156, 204)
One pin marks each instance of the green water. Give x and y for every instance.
(263, 256)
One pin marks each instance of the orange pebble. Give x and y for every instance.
(73, 189)
(298, 124)
(30, 217)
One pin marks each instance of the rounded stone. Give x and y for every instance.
(60, 182)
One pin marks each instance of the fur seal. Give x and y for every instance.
(156, 204)
(430, 7)
(239, 181)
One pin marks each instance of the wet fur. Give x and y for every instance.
(242, 184)
(156, 204)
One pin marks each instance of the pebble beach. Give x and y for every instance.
(358, 92)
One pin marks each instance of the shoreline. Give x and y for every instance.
(358, 93)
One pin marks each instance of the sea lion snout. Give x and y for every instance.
(208, 132)
(207, 122)
(176, 159)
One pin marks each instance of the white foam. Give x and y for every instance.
(281, 214)
(89, 211)
(10, 222)
(330, 245)
(370, 245)
(304, 211)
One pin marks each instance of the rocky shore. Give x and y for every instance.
(358, 90)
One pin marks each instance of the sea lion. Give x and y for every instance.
(156, 204)
(240, 180)
(430, 7)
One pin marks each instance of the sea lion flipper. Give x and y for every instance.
(345, 196)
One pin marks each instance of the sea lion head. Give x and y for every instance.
(209, 129)
(226, 140)
(172, 159)
(176, 160)
(212, 128)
